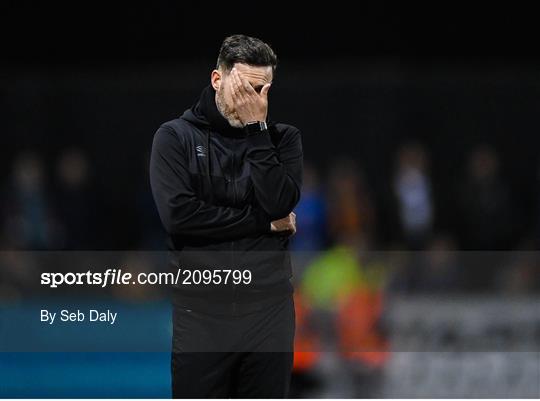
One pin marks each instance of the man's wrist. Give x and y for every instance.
(255, 127)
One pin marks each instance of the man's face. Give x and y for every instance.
(221, 81)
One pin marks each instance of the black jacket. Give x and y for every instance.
(216, 191)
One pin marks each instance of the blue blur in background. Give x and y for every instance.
(128, 374)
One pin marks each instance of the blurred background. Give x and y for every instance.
(421, 189)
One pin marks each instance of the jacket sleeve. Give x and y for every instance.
(276, 173)
(180, 211)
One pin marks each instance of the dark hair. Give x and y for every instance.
(246, 50)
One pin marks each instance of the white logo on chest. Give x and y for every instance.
(201, 151)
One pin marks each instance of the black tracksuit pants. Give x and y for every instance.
(233, 356)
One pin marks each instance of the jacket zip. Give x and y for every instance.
(232, 242)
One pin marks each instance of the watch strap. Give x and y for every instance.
(255, 127)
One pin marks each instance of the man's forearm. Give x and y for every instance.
(181, 212)
(276, 183)
(196, 218)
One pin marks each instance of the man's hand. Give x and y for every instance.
(285, 224)
(248, 104)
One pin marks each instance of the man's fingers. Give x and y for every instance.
(244, 86)
(293, 228)
(234, 92)
(248, 89)
(238, 83)
(293, 217)
(265, 89)
(237, 86)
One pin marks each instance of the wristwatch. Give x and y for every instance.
(254, 127)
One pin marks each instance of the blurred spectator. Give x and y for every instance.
(344, 289)
(521, 272)
(485, 204)
(18, 271)
(307, 351)
(27, 218)
(311, 214)
(438, 269)
(331, 277)
(412, 190)
(75, 200)
(350, 209)
(362, 345)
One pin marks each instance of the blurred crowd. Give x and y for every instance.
(345, 263)
(66, 205)
(63, 205)
(46, 208)
(341, 293)
(482, 217)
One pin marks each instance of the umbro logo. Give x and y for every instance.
(201, 151)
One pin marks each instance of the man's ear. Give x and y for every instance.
(215, 79)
